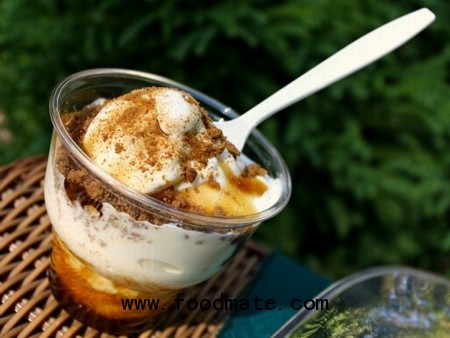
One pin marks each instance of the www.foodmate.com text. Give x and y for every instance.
(224, 303)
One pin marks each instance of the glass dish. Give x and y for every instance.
(387, 301)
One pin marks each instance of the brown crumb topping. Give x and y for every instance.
(83, 187)
(253, 170)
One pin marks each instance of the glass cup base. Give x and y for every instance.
(81, 292)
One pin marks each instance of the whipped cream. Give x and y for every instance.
(157, 137)
(138, 137)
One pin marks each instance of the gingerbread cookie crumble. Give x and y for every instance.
(202, 146)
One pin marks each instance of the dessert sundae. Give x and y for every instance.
(154, 200)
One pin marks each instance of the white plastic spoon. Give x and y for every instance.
(348, 60)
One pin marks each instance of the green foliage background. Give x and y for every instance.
(369, 156)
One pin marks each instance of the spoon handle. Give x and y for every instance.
(353, 57)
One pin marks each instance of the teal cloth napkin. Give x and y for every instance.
(272, 298)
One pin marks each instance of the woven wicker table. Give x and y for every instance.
(27, 307)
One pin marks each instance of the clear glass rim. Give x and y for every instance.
(356, 278)
(177, 213)
(352, 280)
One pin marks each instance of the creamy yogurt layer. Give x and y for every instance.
(126, 250)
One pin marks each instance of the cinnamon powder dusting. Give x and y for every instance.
(232, 200)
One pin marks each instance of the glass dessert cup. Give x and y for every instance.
(113, 244)
(385, 301)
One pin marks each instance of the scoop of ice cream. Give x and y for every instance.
(141, 138)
